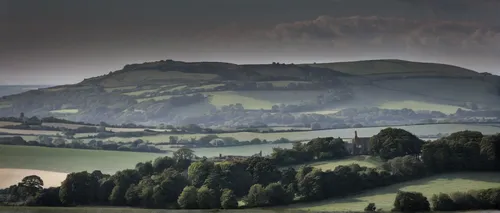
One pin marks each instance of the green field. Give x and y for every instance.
(28, 132)
(384, 197)
(65, 111)
(398, 67)
(420, 105)
(430, 129)
(157, 98)
(77, 210)
(208, 86)
(119, 88)
(69, 160)
(7, 123)
(367, 161)
(261, 99)
(140, 92)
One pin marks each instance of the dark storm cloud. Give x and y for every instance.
(60, 41)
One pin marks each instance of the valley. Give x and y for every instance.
(288, 116)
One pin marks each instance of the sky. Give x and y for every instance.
(62, 42)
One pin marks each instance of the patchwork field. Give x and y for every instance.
(384, 197)
(28, 132)
(420, 105)
(261, 99)
(69, 160)
(431, 129)
(10, 177)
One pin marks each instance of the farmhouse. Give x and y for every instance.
(358, 146)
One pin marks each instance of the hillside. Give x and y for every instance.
(16, 89)
(224, 94)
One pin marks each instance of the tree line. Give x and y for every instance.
(181, 182)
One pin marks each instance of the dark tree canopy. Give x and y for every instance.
(392, 142)
(411, 202)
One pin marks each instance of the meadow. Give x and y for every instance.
(65, 111)
(384, 197)
(367, 161)
(7, 123)
(69, 160)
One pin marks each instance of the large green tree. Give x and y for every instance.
(198, 171)
(257, 196)
(392, 142)
(228, 199)
(277, 195)
(208, 198)
(411, 202)
(188, 198)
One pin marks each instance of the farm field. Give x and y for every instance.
(28, 132)
(7, 123)
(419, 105)
(10, 177)
(65, 111)
(384, 197)
(430, 129)
(360, 160)
(25, 137)
(69, 160)
(261, 99)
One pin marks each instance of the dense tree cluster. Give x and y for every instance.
(392, 142)
(183, 182)
(462, 151)
(463, 201)
(59, 142)
(316, 149)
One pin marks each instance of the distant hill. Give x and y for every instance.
(16, 89)
(175, 92)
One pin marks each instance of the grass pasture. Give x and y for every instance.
(157, 98)
(261, 99)
(419, 105)
(378, 67)
(69, 160)
(10, 177)
(208, 86)
(65, 111)
(28, 132)
(367, 161)
(5, 105)
(112, 89)
(25, 137)
(384, 197)
(140, 92)
(7, 123)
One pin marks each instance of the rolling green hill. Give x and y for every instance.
(178, 93)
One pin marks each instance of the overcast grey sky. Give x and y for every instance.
(60, 41)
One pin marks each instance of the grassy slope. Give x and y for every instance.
(384, 197)
(396, 67)
(69, 160)
(437, 87)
